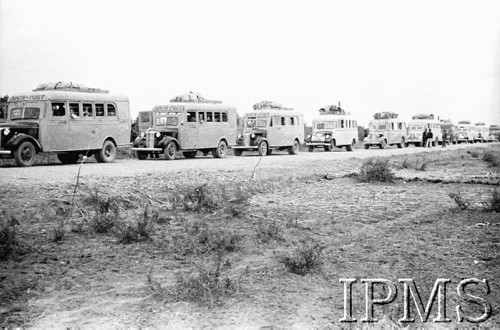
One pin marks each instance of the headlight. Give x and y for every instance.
(309, 136)
(252, 136)
(142, 135)
(327, 136)
(239, 136)
(158, 134)
(6, 131)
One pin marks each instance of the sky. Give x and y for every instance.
(408, 57)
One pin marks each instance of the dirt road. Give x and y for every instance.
(57, 173)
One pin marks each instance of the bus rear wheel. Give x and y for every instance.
(310, 148)
(107, 154)
(141, 155)
(294, 149)
(383, 144)
(367, 146)
(221, 150)
(69, 158)
(350, 146)
(237, 152)
(170, 150)
(25, 154)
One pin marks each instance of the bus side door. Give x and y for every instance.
(54, 129)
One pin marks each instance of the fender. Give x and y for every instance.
(166, 139)
(17, 139)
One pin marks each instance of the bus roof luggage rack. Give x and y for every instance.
(423, 116)
(68, 86)
(332, 110)
(464, 122)
(266, 105)
(385, 115)
(480, 124)
(192, 97)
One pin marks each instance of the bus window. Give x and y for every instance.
(217, 117)
(87, 110)
(292, 121)
(210, 117)
(58, 109)
(201, 117)
(342, 125)
(31, 113)
(224, 117)
(99, 110)
(191, 116)
(74, 110)
(112, 111)
(400, 126)
(282, 121)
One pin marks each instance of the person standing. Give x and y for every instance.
(429, 138)
(445, 137)
(424, 138)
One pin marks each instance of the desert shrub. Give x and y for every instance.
(106, 212)
(269, 231)
(460, 200)
(376, 170)
(138, 231)
(492, 158)
(495, 200)
(305, 258)
(8, 237)
(473, 153)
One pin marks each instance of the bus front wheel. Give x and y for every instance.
(262, 148)
(237, 152)
(25, 154)
(294, 149)
(221, 150)
(141, 155)
(310, 148)
(170, 150)
(107, 154)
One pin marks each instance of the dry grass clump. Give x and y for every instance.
(304, 259)
(376, 170)
(492, 158)
(460, 200)
(138, 231)
(473, 153)
(267, 231)
(495, 201)
(8, 237)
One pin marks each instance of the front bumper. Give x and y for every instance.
(147, 149)
(5, 152)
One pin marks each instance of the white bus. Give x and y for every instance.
(482, 132)
(333, 128)
(270, 127)
(67, 119)
(418, 124)
(386, 129)
(465, 132)
(189, 123)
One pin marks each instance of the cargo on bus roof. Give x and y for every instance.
(68, 86)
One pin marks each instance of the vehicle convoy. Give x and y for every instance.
(466, 132)
(451, 129)
(333, 128)
(188, 123)
(270, 127)
(386, 129)
(418, 124)
(65, 118)
(494, 134)
(482, 132)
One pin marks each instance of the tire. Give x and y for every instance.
(24, 155)
(141, 155)
(310, 148)
(294, 149)
(170, 150)
(221, 150)
(367, 146)
(70, 158)
(350, 146)
(383, 144)
(237, 152)
(107, 153)
(401, 144)
(262, 148)
(190, 154)
(330, 146)
(269, 151)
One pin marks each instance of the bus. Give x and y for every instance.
(418, 124)
(494, 134)
(188, 123)
(67, 119)
(334, 128)
(482, 132)
(270, 127)
(386, 129)
(466, 132)
(449, 126)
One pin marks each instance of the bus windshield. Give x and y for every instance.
(24, 113)
(380, 127)
(254, 122)
(416, 128)
(167, 121)
(326, 125)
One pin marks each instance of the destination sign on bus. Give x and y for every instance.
(27, 98)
